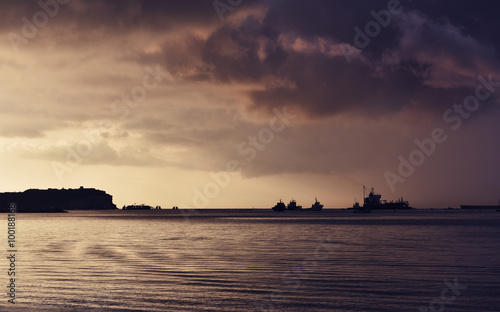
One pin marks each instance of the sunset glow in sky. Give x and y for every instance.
(241, 103)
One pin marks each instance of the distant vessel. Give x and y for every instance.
(359, 209)
(137, 207)
(280, 206)
(293, 205)
(317, 206)
(479, 207)
(373, 202)
(175, 208)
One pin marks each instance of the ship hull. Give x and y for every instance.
(315, 209)
(388, 206)
(361, 210)
(137, 209)
(479, 207)
(280, 206)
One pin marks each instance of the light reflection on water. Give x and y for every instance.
(160, 261)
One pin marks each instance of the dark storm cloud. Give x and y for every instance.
(113, 14)
(427, 57)
(420, 60)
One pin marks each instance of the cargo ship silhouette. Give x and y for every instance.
(374, 202)
(481, 207)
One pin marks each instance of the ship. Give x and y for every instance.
(280, 206)
(137, 207)
(293, 205)
(359, 209)
(479, 207)
(374, 202)
(317, 206)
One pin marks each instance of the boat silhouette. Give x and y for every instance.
(137, 207)
(280, 206)
(317, 206)
(292, 205)
(374, 202)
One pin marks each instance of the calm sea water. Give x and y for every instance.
(255, 261)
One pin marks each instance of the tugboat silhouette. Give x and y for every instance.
(292, 205)
(280, 206)
(317, 206)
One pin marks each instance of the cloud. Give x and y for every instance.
(417, 61)
(228, 77)
(443, 56)
(423, 65)
(85, 153)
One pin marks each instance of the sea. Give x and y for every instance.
(253, 260)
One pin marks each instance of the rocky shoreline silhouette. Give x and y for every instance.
(57, 200)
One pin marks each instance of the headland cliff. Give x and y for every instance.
(56, 200)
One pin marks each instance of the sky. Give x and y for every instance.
(240, 103)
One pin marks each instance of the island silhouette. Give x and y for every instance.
(57, 200)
